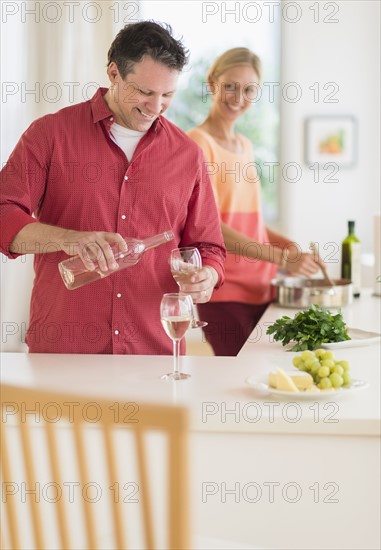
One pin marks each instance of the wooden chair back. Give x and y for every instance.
(53, 415)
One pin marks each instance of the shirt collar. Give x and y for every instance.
(99, 107)
(101, 111)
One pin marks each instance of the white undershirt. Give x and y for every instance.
(126, 139)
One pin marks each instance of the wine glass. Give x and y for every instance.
(176, 316)
(184, 262)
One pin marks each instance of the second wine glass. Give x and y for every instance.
(176, 316)
(184, 263)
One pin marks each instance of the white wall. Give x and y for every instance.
(53, 54)
(347, 53)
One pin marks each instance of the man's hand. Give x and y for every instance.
(201, 285)
(93, 246)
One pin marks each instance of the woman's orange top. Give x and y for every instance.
(236, 186)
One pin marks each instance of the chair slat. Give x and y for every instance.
(178, 519)
(113, 476)
(60, 508)
(31, 481)
(144, 490)
(82, 465)
(9, 505)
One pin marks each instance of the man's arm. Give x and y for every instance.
(90, 245)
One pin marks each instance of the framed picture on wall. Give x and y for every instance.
(331, 139)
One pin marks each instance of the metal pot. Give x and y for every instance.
(299, 292)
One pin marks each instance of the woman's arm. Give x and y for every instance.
(281, 240)
(285, 255)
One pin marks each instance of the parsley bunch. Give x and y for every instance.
(309, 329)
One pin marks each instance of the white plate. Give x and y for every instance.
(358, 338)
(264, 389)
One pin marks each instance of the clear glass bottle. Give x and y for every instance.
(74, 274)
(351, 259)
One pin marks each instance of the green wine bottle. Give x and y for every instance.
(351, 259)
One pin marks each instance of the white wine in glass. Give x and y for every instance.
(184, 263)
(176, 316)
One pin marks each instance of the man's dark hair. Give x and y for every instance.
(137, 40)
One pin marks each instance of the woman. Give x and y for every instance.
(254, 251)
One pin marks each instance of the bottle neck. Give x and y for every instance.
(156, 240)
(351, 228)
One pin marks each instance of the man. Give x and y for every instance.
(101, 170)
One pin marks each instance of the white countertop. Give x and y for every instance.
(306, 454)
(216, 394)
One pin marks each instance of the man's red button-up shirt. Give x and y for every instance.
(68, 171)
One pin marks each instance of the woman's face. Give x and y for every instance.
(236, 90)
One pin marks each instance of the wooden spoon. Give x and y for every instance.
(322, 267)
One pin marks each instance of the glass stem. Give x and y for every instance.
(193, 314)
(176, 355)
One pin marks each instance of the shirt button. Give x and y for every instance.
(126, 178)
(123, 216)
(119, 295)
(111, 118)
(116, 332)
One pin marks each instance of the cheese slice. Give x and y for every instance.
(285, 382)
(302, 380)
(313, 389)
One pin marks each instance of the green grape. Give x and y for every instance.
(325, 384)
(297, 360)
(323, 371)
(327, 355)
(317, 379)
(309, 362)
(339, 369)
(347, 378)
(336, 379)
(315, 367)
(345, 365)
(306, 354)
(330, 363)
(319, 353)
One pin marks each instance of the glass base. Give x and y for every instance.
(198, 324)
(175, 376)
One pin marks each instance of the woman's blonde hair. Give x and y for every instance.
(233, 58)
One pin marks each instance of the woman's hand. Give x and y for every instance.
(303, 264)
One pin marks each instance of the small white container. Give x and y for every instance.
(377, 253)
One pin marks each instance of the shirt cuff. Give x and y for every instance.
(220, 271)
(12, 223)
